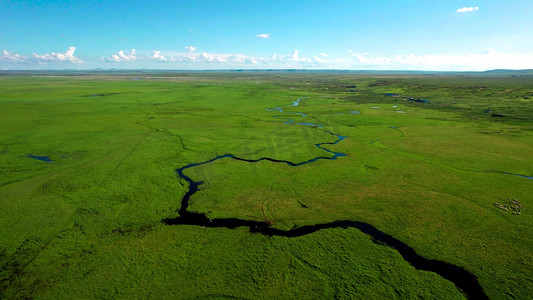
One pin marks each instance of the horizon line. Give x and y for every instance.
(259, 69)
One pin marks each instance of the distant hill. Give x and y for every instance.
(504, 72)
(495, 73)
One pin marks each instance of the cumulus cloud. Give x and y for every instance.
(295, 55)
(294, 60)
(188, 58)
(157, 56)
(198, 57)
(319, 59)
(61, 57)
(12, 57)
(208, 57)
(208, 60)
(120, 56)
(67, 56)
(467, 9)
(263, 35)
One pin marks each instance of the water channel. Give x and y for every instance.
(462, 278)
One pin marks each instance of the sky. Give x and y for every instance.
(449, 35)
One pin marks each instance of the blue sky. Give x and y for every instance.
(401, 34)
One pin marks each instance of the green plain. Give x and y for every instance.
(88, 224)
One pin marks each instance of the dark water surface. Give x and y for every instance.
(41, 158)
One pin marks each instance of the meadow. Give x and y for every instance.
(88, 172)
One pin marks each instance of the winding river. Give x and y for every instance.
(462, 278)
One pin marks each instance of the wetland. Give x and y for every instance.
(265, 184)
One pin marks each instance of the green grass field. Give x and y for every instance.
(88, 223)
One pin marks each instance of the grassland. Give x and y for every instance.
(88, 224)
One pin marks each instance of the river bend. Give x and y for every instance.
(462, 278)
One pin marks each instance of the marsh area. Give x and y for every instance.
(256, 184)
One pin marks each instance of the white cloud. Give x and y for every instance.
(294, 60)
(479, 61)
(12, 57)
(224, 60)
(67, 56)
(190, 48)
(485, 60)
(157, 55)
(209, 57)
(467, 9)
(263, 35)
(208, 60)
(319, 59)
(120, 56)
(295, 56)
(203, 57)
